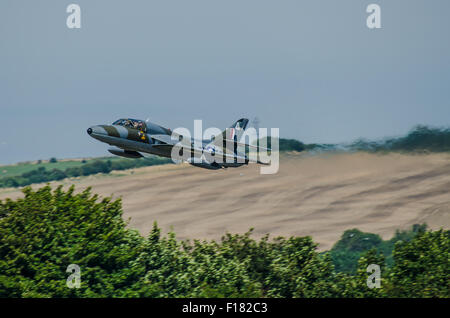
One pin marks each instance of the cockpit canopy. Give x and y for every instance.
(131, 123)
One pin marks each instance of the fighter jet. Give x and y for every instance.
(133, 138)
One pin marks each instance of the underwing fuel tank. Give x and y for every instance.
(125, 153)
(204, 164)
(207, 166)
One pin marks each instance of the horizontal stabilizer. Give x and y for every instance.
(246, 145)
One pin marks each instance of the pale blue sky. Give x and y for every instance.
(311, 68)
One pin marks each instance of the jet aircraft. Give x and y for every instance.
(131, 138)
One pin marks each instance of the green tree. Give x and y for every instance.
(421, 266)
(370, 257)
(346, 252)
(47, 230)
(41, 234)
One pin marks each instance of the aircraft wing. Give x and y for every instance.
(246, 145)
(167, 141)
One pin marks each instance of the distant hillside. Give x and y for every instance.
(28, 173)
(23, 167)
(419, 139)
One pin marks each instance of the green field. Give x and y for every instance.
(23, 167)
(27, 173)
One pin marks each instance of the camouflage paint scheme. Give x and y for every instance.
(132, 137)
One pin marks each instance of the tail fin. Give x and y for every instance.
(233, 133)
(236, 131)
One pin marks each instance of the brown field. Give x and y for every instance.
(320, 196)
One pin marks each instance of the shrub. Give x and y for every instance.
(47, 230)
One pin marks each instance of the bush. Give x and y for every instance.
(47, 230)
(354, 243)
(421, 266)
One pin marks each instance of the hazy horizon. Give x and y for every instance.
(311, 68)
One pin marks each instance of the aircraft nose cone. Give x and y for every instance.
(96, 130)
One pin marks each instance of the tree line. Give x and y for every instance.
(420, 139)
(49, 229)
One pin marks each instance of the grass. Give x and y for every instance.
(22, 167)
(18, 169)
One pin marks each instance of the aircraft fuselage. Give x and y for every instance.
(130, 139)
